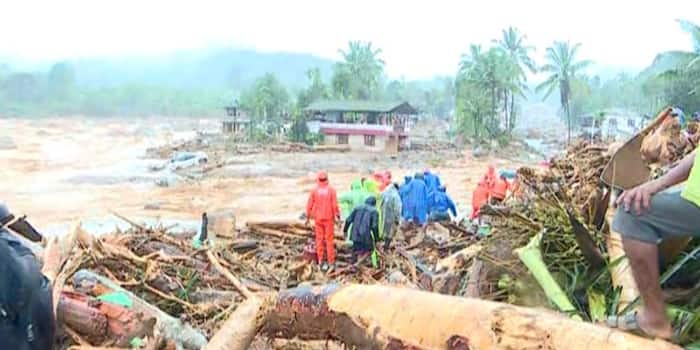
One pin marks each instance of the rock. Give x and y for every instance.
(438, 233)
(397, 277)
(222, 222)
(478, 152)
(152, 206)
(168, 180)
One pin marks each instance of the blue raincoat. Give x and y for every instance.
(403, 193)
(443, 203)
(417, 201)
(432, 181)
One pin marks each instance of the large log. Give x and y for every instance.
(383, 317)
(171, 328)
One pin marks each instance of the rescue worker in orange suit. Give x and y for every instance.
(480, 196)
(490, 178)
(381, 179)
(500, 190)
(323, 208)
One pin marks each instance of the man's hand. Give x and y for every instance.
(639, 198)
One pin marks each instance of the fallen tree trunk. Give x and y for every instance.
(382, 317)
(170, 327)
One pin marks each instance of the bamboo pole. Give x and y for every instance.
(236, 283)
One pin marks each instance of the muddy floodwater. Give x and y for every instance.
(59, 170)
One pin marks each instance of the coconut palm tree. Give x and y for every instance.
(359, 74)
(482, 79)
(563, 67)
(513, 43)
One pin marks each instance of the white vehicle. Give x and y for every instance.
(183, 160)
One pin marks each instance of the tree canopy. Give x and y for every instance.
(360, 73)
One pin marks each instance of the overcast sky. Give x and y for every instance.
(418, 38)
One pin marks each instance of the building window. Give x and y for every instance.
(630, 123)
(342, 139)
(369, 140)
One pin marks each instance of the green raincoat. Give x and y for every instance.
(348, 201)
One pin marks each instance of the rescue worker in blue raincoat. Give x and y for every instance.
(443, 206)
(403, 193)
(417, 200)
(432, 181)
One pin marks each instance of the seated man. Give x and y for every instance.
(365, 228)
(26, 306)
(442, 206)
(647, 215)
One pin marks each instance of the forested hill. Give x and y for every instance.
(200, 69)
(194, 82)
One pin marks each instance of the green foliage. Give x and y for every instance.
(488, 84)
(61, 80)
(674, 76)
(513, 43)
(266, 102)
(359, 75)
(434, 97)
(563, 67)
(31, 94)
(317, 89)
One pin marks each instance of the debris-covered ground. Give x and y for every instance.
(192, 286)
(548, 247)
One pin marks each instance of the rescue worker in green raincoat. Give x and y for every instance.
(352, 199)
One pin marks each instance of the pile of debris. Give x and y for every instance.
(258, 289)
(149, 285)
(552, 246)
(432, 145)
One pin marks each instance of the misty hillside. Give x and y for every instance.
(213, 68)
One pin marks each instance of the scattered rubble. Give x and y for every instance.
(549, 247)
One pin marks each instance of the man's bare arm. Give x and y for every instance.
(677, 174)
(639, 198)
